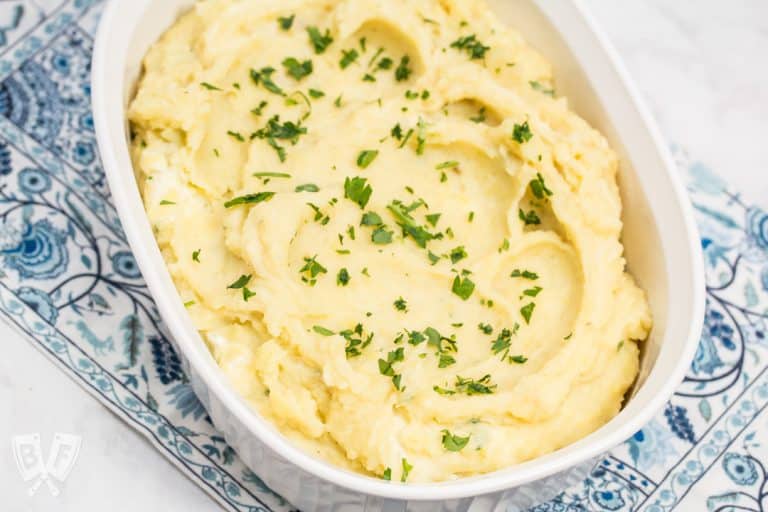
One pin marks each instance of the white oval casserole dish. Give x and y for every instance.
(662, 250)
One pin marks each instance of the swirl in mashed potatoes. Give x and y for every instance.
(399, 243)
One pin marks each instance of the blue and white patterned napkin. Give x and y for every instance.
(68, 280)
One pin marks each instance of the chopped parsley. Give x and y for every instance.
(323, 331)
(320, 217)
(196, 256)
(433, 218)
(532, 292)
(348, 57)
(447, 165)
(527, 311)
(518, 359)
(474, 48)
(470, 387)
(319, 41)
(503, 341)
(371, 219)
(504, 246)
(381, 236)
(308, 187)
(260, 109)
(286, 22)
(356, 341)
(401, 305)
(270, 175)
(166, 202)
(210, 87)
(522, 133)
(342, 278)
(366, 158)
(264, 77)
(387, 475)
(537, 86)
(386, 366)
(259, 197)
(421, 136)
(530, 218)
(525, 274)
(315, 94)
(620, 346)
(236, 135)
(463, 287)
(403, 218)
(403, 72)
(296, 69)
(453, 443)
(539, 188)
(397, 132)
(458, 254)
(485, 328)
(480, 117)
(357, 190)
(240, 283)
(189, 304)
(337, 101)
(406, 470)
(275, 130)
(311, 269)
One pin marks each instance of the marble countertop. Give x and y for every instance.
(700, 66)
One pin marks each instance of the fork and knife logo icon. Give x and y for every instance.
(34, 468)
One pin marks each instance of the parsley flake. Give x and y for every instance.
(453, 443)
(357, 190)
(308, 187)
(208, 86)
(296, 69)
(286, 22)
(530, 218)
(463, 287)
(527, 311)
(401, 305)
(521, 133)
(311, 269)
(319, 41)
(342, 278)
(264, 77)
(525, 274)
(348, 57)
(539, 188)
(366, 158)
(259, 197)
(403, 72)
(196, 256)
(474, 48)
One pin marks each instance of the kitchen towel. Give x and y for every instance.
(69, 282)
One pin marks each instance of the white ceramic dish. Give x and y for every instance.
(661, 243)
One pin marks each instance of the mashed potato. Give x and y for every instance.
(399, 243)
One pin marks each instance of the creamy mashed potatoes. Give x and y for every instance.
(398, 242)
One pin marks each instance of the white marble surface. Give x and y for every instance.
(701, 67)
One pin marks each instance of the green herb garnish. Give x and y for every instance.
(342, 278)
(539, 188)
(527, 311)
(447, 165)
(264, 77)
(532, 292)
(357, 190)
(458, 254)
(240, 283)
(286, 22)
(454, 443)
(525, 274)
(307, 187)
(401, 305)
(366, 158)
(296, 69)
(196, 256)
(323, 331)
(530, 218)
(259, 197)
(311, 269)
(474, 48)
(537, 86)
(210, 87)
(315, 94)
(403, 72)
(348, 57)
(319, 41)
(463, 287)
(522, 133)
